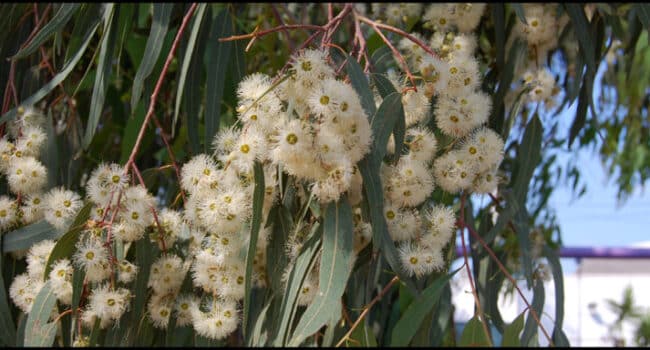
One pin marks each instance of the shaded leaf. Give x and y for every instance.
(581, 26)
(27, 236)
(103, 72)
(8, 334)
(519, 10)
(512, 331)
(218, 54)
(159, 25)
(360, 84)
(362, 336)
(65, 246)
(58, 78)
(256, 222)
(336, 264)
(416, 312)
(528, 156)
(38, 332)
(473, 334)
(194, 33)
(59, 19)
(559, 338)
(529, 337)
(296, 278)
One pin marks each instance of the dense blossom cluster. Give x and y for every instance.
(472, 154)
(309, 126)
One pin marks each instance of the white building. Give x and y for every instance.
(587, 315)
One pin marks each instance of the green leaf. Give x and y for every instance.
(416, 312)
(59, 19)
(385, 121)
(581, 111)
(255, 337)
(498, 14)
(336, 264)
(385, 88)
(512, 331)
(360, 84)
(383, 85)
(558, 280)
(38, 332)
(78, 276)
(256, 222)
(297, 276)
(144, 256)
(194, 33)
(529, 337)
(528, 156)
(581, 27)
(27, 236)
(65, 246)
(58, 78)
(50, 157)
(103, 73)
(473, 334)
(381, 239)
(159, 25)
(519, 10)
(218, 54)
(8, 334)
(362, 336)
(643, 12)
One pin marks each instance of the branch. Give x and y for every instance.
(512, 280)
(257, 34)
(154, 95)
(477, 301)
(367, 309)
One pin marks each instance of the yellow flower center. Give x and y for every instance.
(115, 179)
(110, 302)
(244, 149)
(324, 100)
(292, 139)
(390, 214)
(413, 260)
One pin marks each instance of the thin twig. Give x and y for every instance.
(479, 310)
(396, 52)
(367, 309)
(257, 34)
(154, 95)
(512, 280)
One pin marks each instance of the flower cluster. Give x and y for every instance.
(472, 154)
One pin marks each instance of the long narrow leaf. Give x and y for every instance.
(218, 55)
(159, 24)
(103, 72)
(256, 222)
(38, 332)
(59, 19)
(336, 265)
(187, 58)
(406, 327)
(60, 77)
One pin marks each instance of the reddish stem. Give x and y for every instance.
(154, 95)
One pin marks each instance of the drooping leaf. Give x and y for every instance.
(218, 54)
(512, 331)
(189, 50)
(27, 236)
(38, 331)
(415, 313)
(385, 122)
(528, 157)
(473, 334)
(159, 26)
(103, 72)
(519, 10)
(362, 336)
(581, 27)
(296, 278)
(360, 84)
(65, 246)
(336, 264)
(58, 78)
(559, 338)
(529, 336)
(643, 12)
(59, 19)
(8, 335)
(256, 222)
